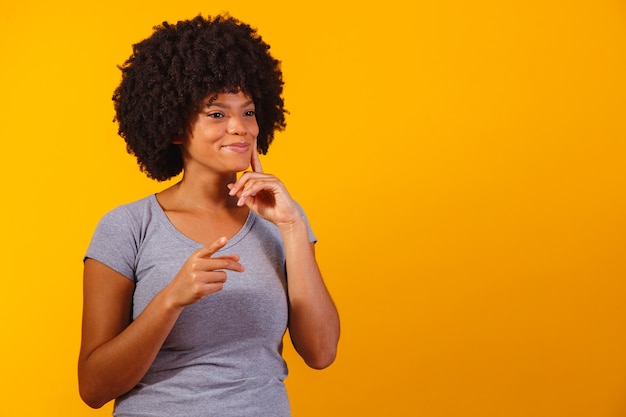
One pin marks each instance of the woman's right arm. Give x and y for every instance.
(116, 352)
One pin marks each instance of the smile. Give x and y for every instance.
(240, 147)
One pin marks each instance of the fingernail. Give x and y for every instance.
(240, 202)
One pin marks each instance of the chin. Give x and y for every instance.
(240, 168)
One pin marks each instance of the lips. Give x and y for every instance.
(240, 147)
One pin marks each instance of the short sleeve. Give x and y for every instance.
(115, 242)
(312, 237)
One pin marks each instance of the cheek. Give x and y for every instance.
(208, 131)
(254, 128)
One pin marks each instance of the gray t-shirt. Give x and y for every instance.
(223, 356)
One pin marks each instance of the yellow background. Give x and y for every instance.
(463, 164)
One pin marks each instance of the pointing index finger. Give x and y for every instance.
(209, 250)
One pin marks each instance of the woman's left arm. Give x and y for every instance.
(313, 317)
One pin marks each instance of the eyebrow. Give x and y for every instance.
(223, 106)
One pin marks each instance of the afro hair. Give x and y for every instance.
(169, 74)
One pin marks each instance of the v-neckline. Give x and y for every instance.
(165, 220)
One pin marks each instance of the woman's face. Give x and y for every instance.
(223, 135)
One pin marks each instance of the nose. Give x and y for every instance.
(235, 126)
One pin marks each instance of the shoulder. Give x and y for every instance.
(138, 206)
(132, 210)
(127, 219)
(119, 234)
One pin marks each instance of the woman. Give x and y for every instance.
(188, 292)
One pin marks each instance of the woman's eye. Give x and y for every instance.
(216, 115)
(250, 113)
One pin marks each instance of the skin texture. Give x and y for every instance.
(208, 205)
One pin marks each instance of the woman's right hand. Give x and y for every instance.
(201, 274)
(116, 352)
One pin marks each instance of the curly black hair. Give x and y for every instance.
(169, 74)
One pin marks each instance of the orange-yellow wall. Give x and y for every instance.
(463, 164)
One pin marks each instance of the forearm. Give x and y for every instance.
(313, 317)
(115, 367)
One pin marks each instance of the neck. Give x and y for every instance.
(204, 193)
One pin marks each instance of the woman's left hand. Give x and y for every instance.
(313, 317)
(265, 194)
